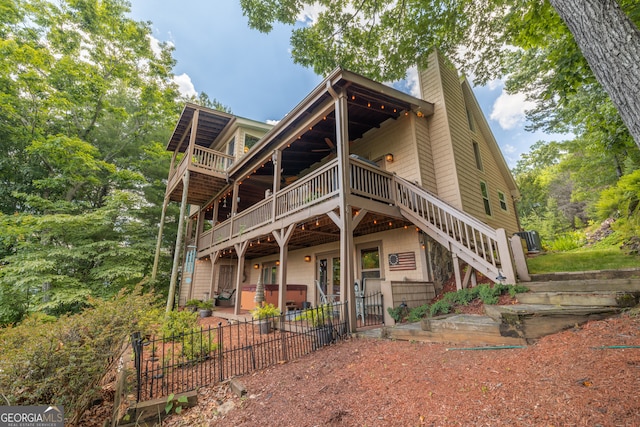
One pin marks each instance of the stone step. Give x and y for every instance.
(588, 275)
(585, 285)
(461, 334)
(581, 298)
(533, 321)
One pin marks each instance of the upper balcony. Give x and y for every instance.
(195, 132)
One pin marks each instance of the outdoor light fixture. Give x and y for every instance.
(307, 258)
(256, 266)
(388, 157)
(277, 262)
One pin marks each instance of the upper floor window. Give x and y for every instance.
(470, 120)
(485, 197)
(231, 147)
(503, 201)
(249, 141)
(476, 154)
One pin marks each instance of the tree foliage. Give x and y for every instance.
(86, 106)
(525, 42)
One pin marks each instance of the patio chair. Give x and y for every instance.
(226, 298)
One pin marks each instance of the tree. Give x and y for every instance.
(383, 38)
(86, 106)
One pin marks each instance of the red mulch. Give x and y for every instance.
(565, 379)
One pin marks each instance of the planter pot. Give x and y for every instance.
(264, 326)
(324, 335)
(205, 312)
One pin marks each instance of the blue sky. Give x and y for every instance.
(253, 73)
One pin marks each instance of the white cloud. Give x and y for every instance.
(495, 84)
(508, 148)
(413, 82)
(272, 122)
(155, 45)
(509, 110)
(309, 13)
(185, 85)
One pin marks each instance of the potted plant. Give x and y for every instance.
(265, 313)
(192, 305)
(320, 319)
(205, 308)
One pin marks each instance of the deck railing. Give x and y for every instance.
(476, 243)
(370, 182)
(314, 188)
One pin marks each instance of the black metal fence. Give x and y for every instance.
(370, 309)
(209, 355)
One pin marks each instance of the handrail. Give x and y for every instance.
(478, 243)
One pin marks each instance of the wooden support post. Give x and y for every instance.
(156, 258)
(506, 260)
(282, 237)
(456, 270)
(241, 250)
(176, 256)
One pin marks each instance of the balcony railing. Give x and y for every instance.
(203, 160)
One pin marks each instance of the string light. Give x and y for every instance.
(317, 222)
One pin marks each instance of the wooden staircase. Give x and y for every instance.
(553, 303)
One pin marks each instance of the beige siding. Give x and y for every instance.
(201, 280)
(494, 171)
(452, 148)
(433, 86)
(425, 155)
(395, 137)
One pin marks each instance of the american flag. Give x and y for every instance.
(402, 261)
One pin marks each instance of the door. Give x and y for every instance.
(329, 277)
(225, 278)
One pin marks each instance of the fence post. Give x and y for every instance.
(219, 349)
(136, 343)
(283, 341)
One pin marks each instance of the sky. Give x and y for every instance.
(254, 75)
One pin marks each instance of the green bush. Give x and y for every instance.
(62, 361)
(398, 313)
(198, 344)
(440, 307)
(568, 241)
(417, 313)
(488, 294)
(177, 323)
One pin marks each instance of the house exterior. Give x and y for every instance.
(360, 184)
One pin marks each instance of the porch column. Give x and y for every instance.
(176, 255)
(276, 158)
(347, 270)
(241, 250)
(283, 236)
(156, 258)
(213, 257)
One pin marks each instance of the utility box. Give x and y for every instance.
(533, 240)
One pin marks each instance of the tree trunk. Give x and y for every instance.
(610, 42)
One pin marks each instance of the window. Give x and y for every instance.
(249, 141)
(370, 263)
(231, 147)
(476, 154)
(270, 274)
(470, 120)
(503, 200)
(485, 197)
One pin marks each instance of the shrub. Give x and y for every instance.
(177, 323)
(440, 307)
(398, 313)
(487, 294)
(198, 344)
(417, 313)
(568, 241)
(61, 362)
